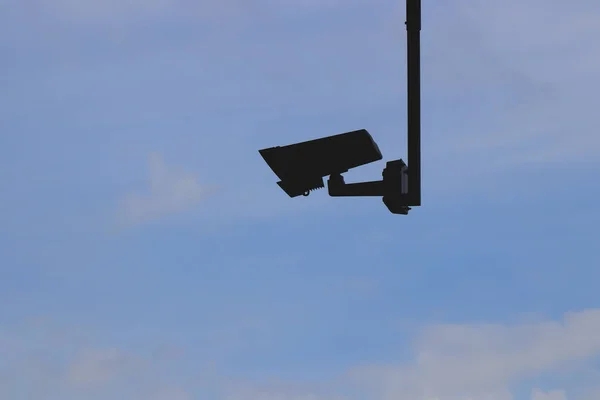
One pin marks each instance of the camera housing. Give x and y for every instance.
(301, 167)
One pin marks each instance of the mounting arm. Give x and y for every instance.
(393, 187)
(338, 188)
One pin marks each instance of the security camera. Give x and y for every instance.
(302, 166)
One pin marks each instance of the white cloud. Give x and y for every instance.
(176, 394)
(171, 191)
(93, 368)
(458, 361)
(451, 362)
(553, 395)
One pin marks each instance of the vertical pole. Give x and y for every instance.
(413, 50)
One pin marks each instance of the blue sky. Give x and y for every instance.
(146, 251)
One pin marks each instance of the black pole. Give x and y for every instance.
(413, 50)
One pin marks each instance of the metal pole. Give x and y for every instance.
(413, 50)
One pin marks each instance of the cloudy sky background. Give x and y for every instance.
(147, 253)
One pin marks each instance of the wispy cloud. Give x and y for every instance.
(97, 368)
(170, 191)
(526, 87)
(505, 98)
